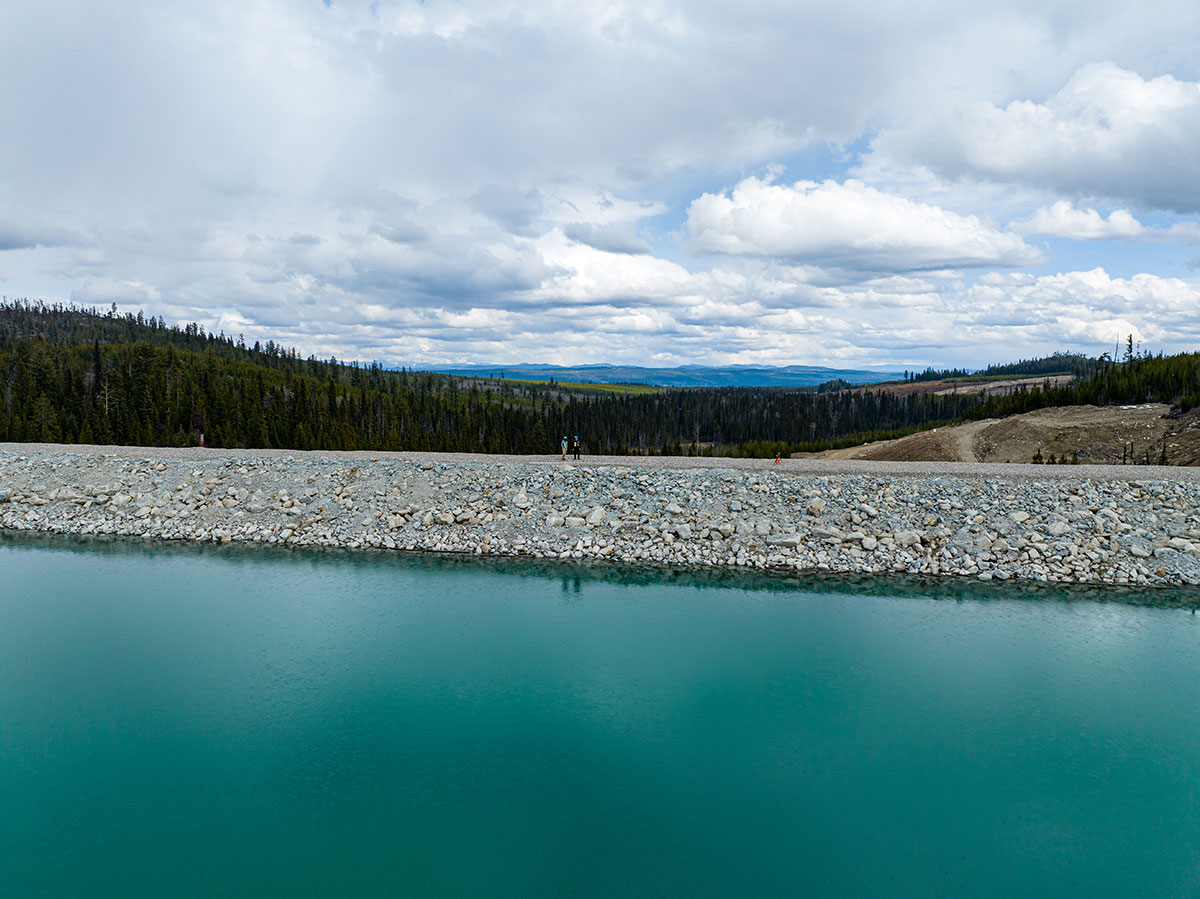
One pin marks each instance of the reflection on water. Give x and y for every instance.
(215, 720)
(575, 574)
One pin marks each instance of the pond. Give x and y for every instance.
(192, 721)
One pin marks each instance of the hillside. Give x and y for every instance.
(682, 376)
(1109, 435)
(79, 376)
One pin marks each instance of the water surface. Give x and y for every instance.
(193, 721)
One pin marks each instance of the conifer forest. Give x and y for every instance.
(71, 375)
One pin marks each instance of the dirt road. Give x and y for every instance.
(1110, 435)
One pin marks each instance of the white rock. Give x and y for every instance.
(786, 540)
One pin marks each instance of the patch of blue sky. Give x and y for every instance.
(817, 161)
(1119, 260)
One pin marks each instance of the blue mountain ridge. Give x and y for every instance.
(681, 376)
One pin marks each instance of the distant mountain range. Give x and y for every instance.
(683, 376)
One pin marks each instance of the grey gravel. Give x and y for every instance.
(1082, 524)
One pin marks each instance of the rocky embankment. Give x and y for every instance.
(1142, 527)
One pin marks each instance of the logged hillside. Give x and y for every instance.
(1147, 434)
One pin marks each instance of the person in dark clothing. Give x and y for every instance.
(576, 447)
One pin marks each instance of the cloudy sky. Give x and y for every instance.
(770, 181)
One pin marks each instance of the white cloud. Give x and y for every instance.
(1107, 133)
(499, 180)
(1062, 219)
(849, 225)
(131, 293)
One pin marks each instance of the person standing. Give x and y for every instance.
(564, 447)
(576, 447)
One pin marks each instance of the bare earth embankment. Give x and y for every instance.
(1106, 435)
(1086, 524)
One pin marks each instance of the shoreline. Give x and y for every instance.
(1123, 525)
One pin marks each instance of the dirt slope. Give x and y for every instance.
(1096, 434)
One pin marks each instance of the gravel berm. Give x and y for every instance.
(1065, 523)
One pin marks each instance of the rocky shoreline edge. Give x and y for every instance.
(1124, 526)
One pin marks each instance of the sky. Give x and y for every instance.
(860, 184)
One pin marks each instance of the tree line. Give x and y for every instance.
(1137, 379)
(81, 376)
(73, 375)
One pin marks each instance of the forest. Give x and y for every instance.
(72, 375)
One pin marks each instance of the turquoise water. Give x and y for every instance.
(182, 721)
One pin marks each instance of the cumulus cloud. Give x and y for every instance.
(1063, 219)
(496, 180)
(851, 225)
(102, 292)
(610, 238)
(1108, 132)
(1088, 309)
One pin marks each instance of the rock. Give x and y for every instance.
(1086, 530)
(786, 540)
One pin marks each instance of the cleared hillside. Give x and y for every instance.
(1110, 435)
